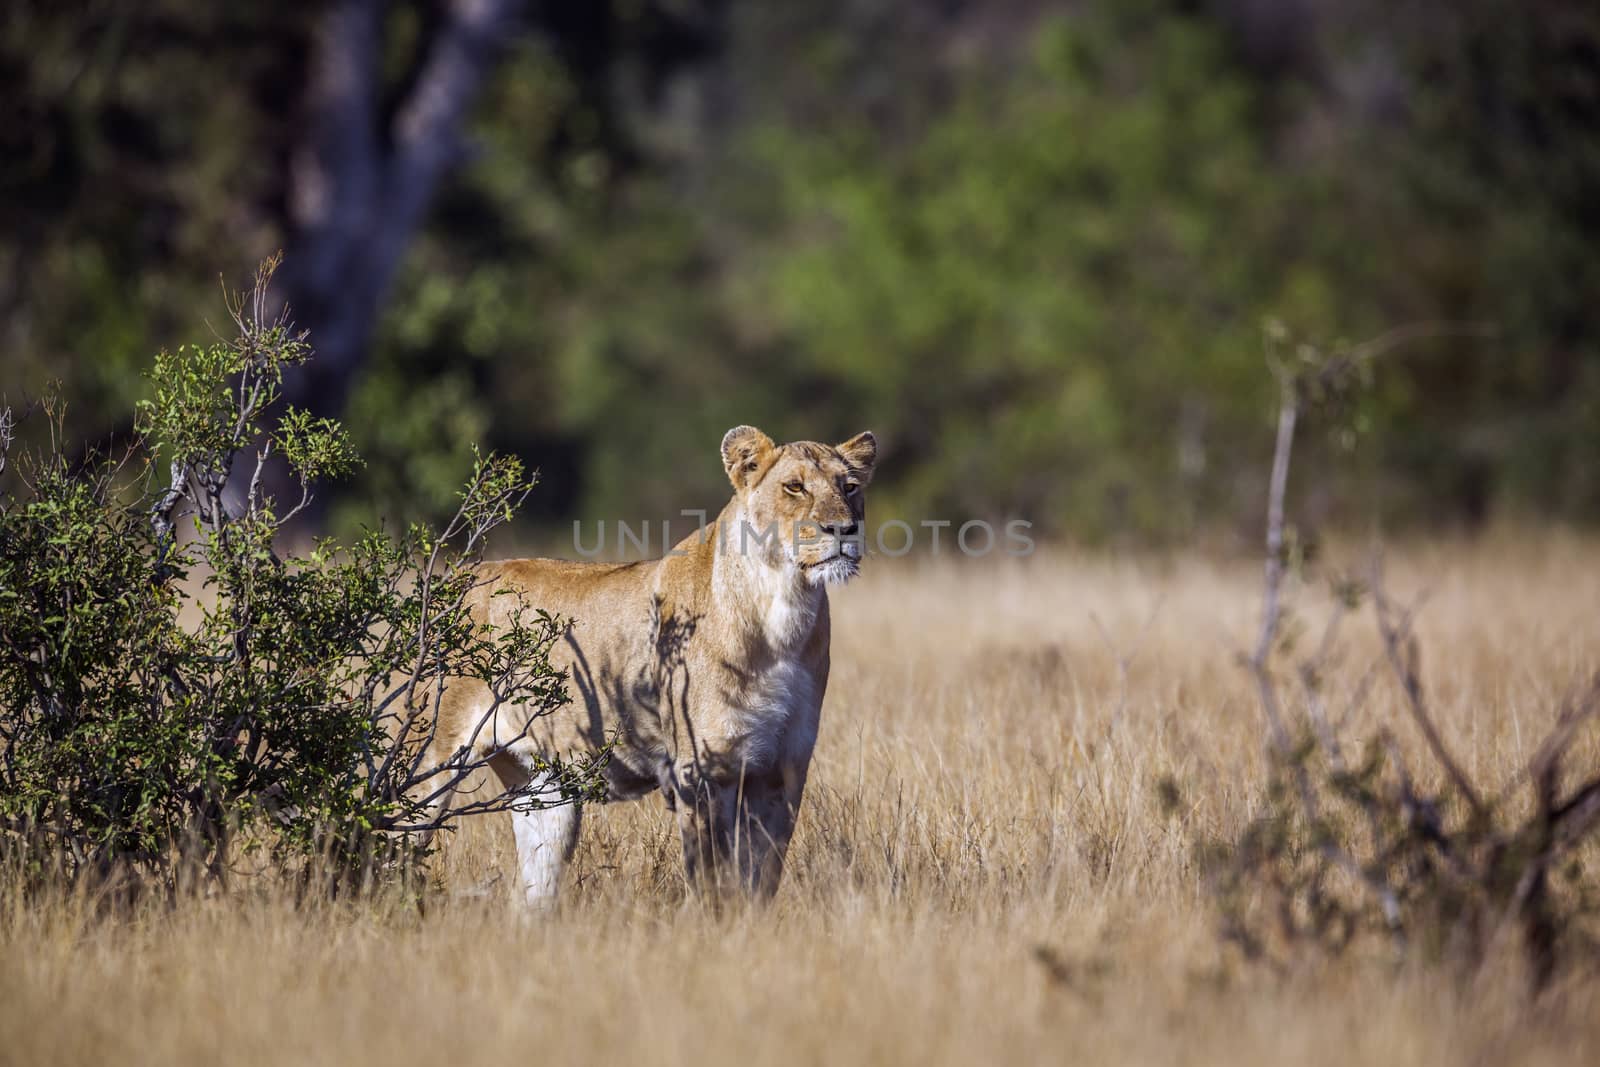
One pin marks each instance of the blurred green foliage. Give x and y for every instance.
(1036, 252)
(1048, 287)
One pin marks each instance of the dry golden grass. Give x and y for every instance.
(985, 785)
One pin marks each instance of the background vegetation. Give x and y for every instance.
(1033, 245)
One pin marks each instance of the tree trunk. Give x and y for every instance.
(361, 181)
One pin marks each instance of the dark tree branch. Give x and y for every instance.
(359, 192)
(334, 173)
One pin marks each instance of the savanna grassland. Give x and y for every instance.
(986, 870)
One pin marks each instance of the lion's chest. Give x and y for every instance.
(762, 717)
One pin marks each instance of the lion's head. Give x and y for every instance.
(803, 504)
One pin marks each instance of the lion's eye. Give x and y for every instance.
(852, 488)
(794, 488)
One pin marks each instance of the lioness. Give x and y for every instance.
(706, 667)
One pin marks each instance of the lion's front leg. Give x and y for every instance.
(768, 810)
(736, 831)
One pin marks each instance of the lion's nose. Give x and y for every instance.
(844, 528)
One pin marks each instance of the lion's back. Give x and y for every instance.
(573, 589)
(606, 611)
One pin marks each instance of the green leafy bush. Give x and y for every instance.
(175, 695)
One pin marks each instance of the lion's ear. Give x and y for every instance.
(861, 452)
(744, 450)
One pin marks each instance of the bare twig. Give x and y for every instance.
(1272, 591)
(1403, 655)
(7, 421)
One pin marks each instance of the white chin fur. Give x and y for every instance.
(836, 571)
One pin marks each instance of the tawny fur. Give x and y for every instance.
(705, 669)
